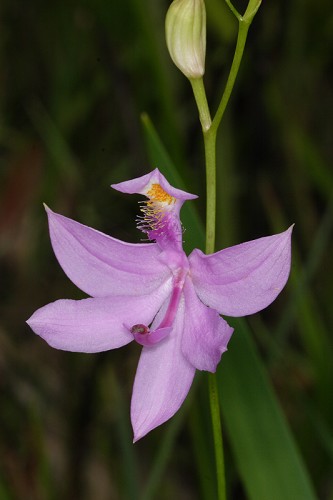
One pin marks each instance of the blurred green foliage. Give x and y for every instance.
(75, 78)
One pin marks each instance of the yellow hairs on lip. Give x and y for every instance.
(157, 193)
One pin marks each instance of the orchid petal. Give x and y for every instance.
(103, 266)
(162, 381)
(141, 185)
(245, 278)
(205, 335)
(93, 325)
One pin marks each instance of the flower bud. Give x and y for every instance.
(185, 29)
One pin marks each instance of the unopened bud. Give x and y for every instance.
(185, 29)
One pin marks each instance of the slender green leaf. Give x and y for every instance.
(262, 443)
(163, 454)
(4, 493)
(57, 146)
(200, 421)
(129, 480)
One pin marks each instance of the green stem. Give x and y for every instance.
(209, 129)
(201, 100)
(210, 155)
(217, 432)
(210, 158)
(243, 29)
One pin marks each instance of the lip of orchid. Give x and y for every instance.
(143, 184)
(159, 217)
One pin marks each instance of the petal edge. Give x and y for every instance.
(162, 381)
(103, 266)
(94, 324)
(205, 335)
(245, 278)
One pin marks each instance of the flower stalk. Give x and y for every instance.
(243, 29)
(201, 100)
(217, 433)
(209, 129)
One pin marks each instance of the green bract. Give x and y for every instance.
(185, 28)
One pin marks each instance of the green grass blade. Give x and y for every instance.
(163, 455)
(129, 471)
(203, 448)
(262, 443)
(58, 149)
(4, 493)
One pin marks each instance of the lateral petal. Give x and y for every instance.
(205, 335)
(162, 381)
(94, 324)
(245, 278)
(101, 265)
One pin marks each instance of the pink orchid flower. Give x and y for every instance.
(154, 294)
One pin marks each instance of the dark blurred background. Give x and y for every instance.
(75, 78)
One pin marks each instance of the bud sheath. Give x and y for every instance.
(185, 29)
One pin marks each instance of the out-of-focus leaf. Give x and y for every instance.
(264, 449)
(64, 160)
(4, 494)
(163, 454)
(129, 477)
(200, 420)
